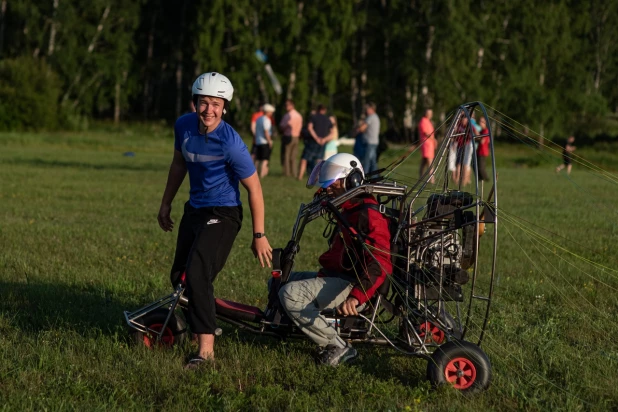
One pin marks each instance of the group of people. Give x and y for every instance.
(217, 161)
(319, 136)
(470, 138)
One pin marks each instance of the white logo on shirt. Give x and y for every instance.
(196, 157)
(213, 221)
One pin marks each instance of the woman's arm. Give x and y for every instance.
(260, 246)
(178, 170)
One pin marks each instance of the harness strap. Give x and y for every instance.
(382, 209)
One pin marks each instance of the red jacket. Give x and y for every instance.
(350, 261)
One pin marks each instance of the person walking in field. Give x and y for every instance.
(264, 140)
(217, 161)
(291, 124)
(566, 155)
(428, 143)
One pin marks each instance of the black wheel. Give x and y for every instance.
(460, 364)
(173, 334)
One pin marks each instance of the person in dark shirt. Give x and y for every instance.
(319, 128)
(566, 155)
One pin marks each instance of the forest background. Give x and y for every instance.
(551, 65)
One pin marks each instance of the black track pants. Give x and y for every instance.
(205, 239)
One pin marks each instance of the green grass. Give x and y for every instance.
(79, 243)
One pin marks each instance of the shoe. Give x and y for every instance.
(196, 362)
(334, 355)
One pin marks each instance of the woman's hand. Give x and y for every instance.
(262, 250)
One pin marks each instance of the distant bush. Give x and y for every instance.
(29, 92)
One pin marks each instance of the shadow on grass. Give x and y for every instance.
(381, 362)
(39, 306)
(148, 167)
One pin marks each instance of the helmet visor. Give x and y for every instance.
(315, 174)
(327, 174)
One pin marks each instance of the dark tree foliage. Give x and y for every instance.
(551, 65)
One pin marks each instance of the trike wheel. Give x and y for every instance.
(173, 334)
(429, 332)
(460, 364)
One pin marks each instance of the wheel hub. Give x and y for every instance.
(461, 373)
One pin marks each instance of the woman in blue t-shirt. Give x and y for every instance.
(217, 160)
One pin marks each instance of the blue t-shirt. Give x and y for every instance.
(216, 162)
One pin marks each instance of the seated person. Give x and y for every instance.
(350, 275)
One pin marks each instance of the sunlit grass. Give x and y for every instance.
(79, 243)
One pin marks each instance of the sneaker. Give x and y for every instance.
(197, 362)
(334, 355)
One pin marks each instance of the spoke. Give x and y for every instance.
(451, 368)
(451, 378)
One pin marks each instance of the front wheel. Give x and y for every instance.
(174, 333)
(461, 364)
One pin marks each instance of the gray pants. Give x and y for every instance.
(306, 295)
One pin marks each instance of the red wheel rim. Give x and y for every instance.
(461, 373)
(431, 333)
(167, 338)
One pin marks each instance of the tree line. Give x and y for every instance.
(550, 65)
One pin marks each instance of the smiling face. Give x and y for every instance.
(209, 110)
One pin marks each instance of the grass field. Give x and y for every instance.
(79, 243)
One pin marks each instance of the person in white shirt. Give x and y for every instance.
(263, 140)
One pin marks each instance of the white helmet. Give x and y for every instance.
(339, 166)
(213, 84)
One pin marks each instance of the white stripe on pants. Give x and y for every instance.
(306, 295)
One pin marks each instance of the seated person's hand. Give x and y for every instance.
(348, 307)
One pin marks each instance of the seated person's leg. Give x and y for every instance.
(296, 276)
(303, 300)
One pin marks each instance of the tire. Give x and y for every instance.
(174, 334)
(431, 333)
(461, 364)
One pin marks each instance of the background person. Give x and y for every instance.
(428, 143)
(330, 147)
(359, 145)
(217, 160)
(319, 128)
(482, 152)
(256, 115)
(263, 140)
(566, 155)
(460, 154)
(291, 125)
(370, 129)
(341, 283)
